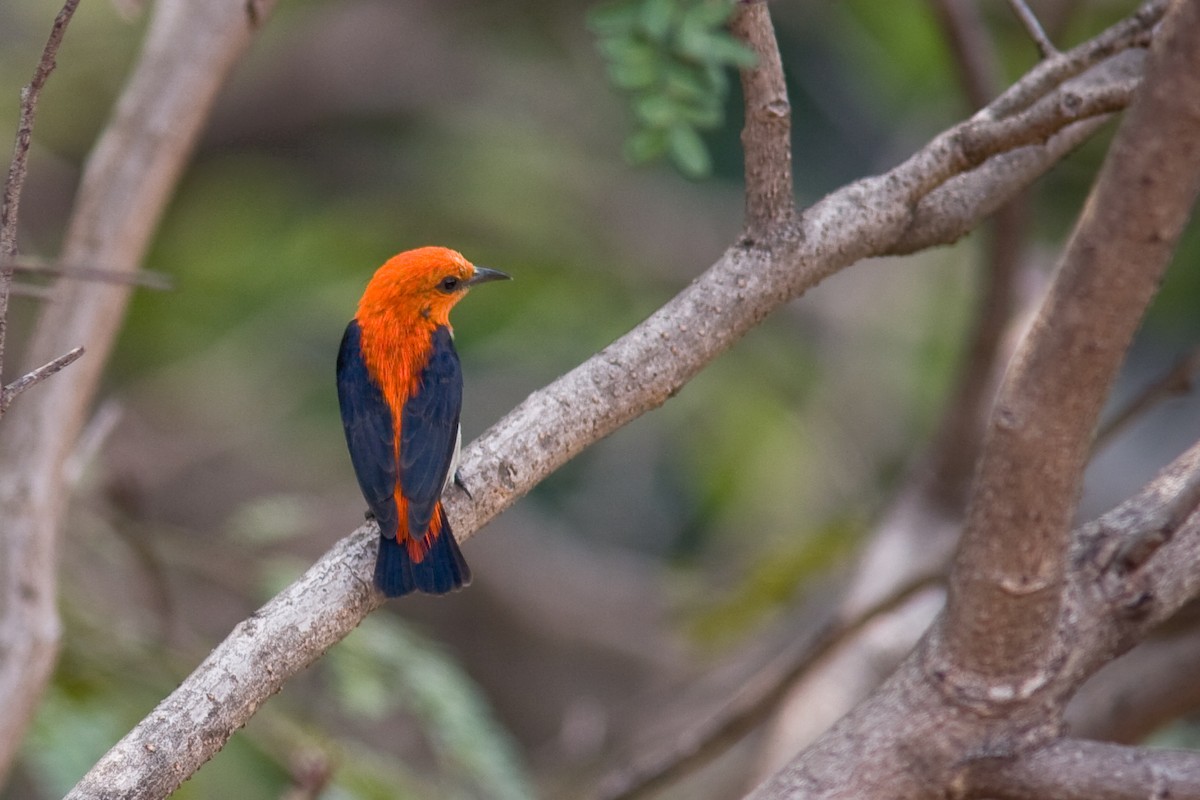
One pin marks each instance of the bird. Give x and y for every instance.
(399, 386)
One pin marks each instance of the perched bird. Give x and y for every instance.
(400, 390)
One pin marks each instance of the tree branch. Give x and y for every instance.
(1135, 31)
(868, 745)
(1006, 590)
(1077, 769)
(190, 47)
(34, 377)
(258, 656)
(916, 534)
(1034, 28)
(766, 135)
(1124, 575)
(995, 682)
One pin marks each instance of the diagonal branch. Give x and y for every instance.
(944, 211)
(36, 376)
(262, 652)
(1133, 568)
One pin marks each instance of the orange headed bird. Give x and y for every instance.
(400, 390)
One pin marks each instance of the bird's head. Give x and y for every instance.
(424, 284)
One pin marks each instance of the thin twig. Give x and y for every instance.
(1133, 31)
(34, 377)
(147, 279)
(30, 291)
(17, 169)
(1033, 27)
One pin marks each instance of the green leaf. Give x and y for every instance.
(609, 19)
(646, 145)
(634, 76)
(712, 46)
(656, 18)
(657, 110)
(687, 82)
(718, 79)
(711, 13)
(724, 49)
(632, 64)
(672, 57)
(626, 47)
(705, 113)
(688, 152)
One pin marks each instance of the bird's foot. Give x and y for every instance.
(460, 483)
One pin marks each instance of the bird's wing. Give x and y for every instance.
(369, 432)
(429, 432)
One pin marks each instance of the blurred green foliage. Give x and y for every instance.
(385, 667)
(770, 584)
(671, 57)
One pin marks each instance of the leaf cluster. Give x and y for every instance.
(671, 57)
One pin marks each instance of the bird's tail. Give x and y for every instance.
(442, 568)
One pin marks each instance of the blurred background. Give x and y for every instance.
(215, 470)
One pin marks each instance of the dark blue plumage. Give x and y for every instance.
(429, 431)
(370, 436)
(427, 448)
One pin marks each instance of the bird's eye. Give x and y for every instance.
(448, 284)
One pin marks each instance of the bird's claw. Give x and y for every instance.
(460, 483)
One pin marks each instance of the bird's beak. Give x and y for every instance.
(484, 274)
